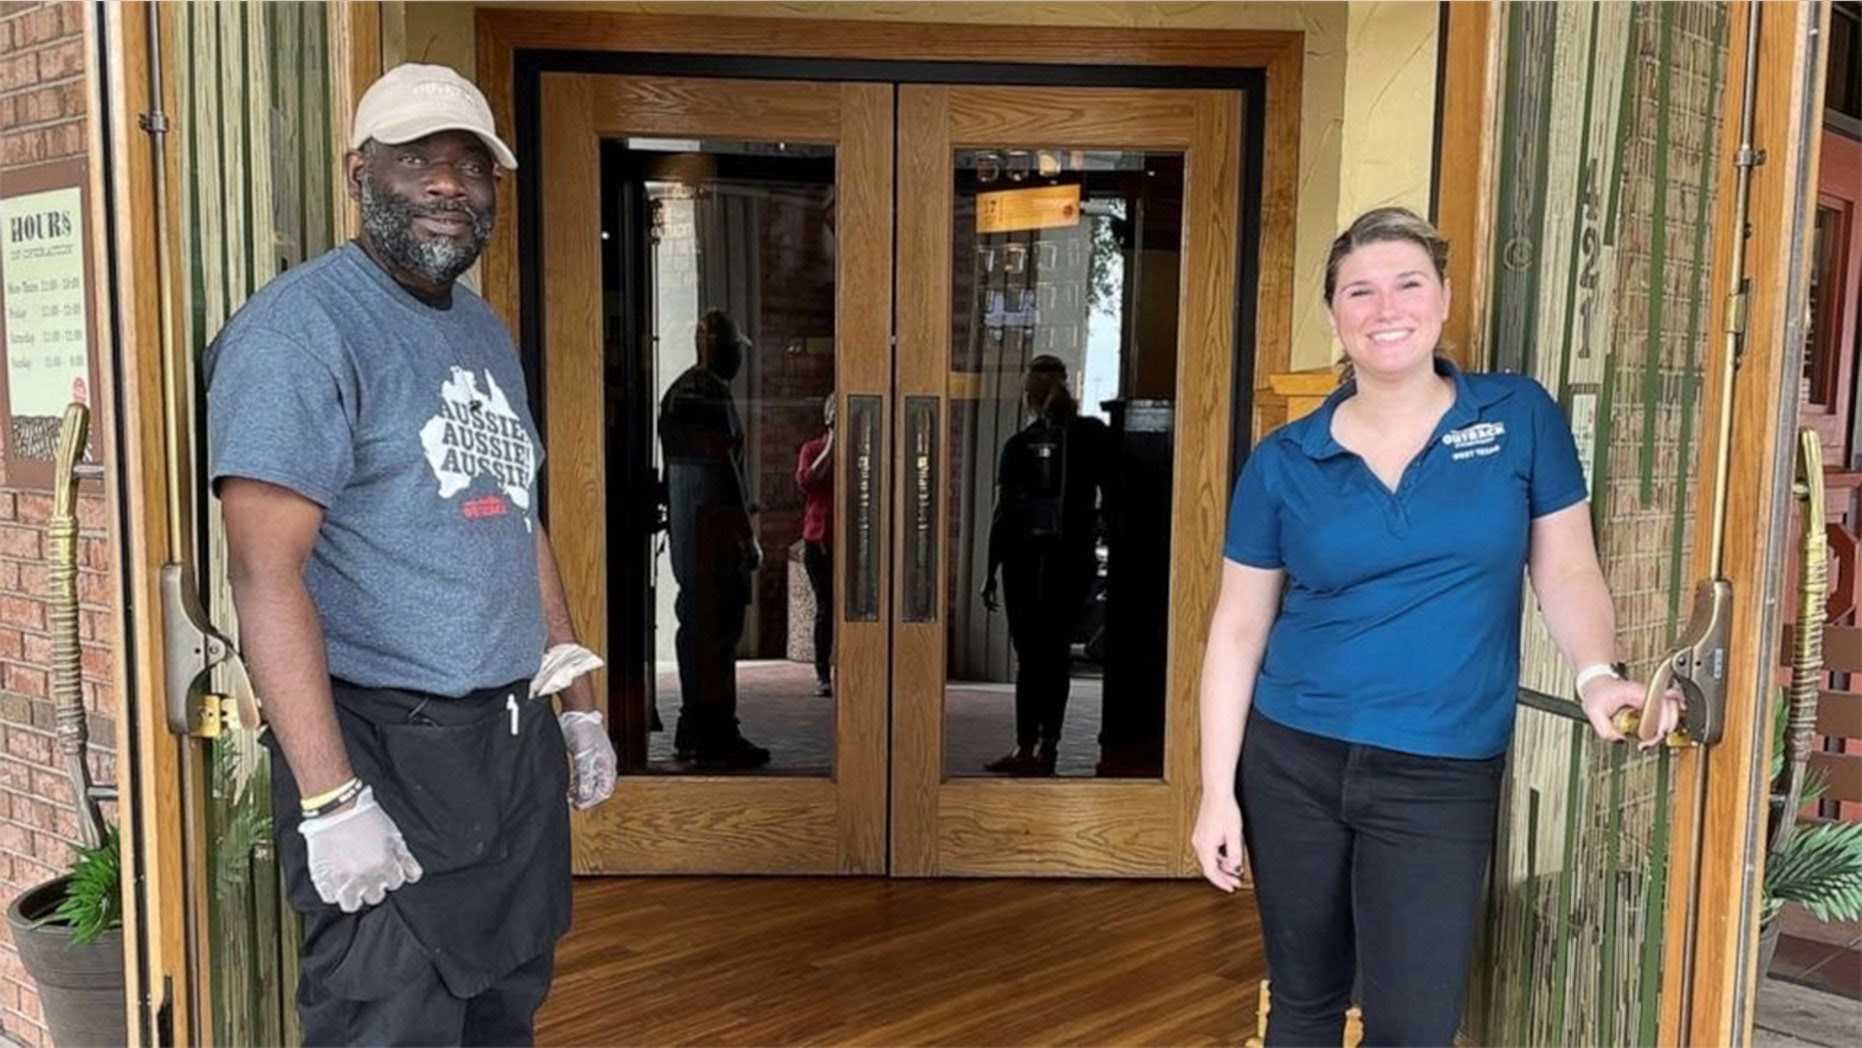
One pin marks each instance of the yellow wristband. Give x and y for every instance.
(321, 799)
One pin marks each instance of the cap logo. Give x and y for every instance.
(442, 89)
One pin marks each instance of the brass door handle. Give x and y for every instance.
(192, 649)
(1696, 667)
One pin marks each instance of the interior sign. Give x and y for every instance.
(1038, 207)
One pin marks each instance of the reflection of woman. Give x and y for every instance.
(1363, 659)
(1041, 538)
(814, 474)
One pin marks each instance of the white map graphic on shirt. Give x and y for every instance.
(477, 434)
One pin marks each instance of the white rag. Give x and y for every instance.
(562, 664)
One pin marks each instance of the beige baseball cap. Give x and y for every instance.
(413, 101)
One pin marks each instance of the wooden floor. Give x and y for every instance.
(870, 961)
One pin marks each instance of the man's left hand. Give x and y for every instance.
(594, 765)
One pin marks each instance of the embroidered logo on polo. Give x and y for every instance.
(1482, 438)
(476, 434)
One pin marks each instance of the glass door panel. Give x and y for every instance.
(1062, 392)
(715, 259)
(718, 277)
(1048, 316)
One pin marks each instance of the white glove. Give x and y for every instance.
(562, 664)
(595, 763)
(357, 856)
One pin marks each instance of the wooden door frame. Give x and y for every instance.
(501, 33)
(696, 823)
(1464, 163)
(1763, 434)
(1132, 827)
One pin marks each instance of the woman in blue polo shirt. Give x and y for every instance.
(1363, 658)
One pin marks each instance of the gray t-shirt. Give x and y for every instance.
(410, 427)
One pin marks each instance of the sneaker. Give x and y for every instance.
(824, 688)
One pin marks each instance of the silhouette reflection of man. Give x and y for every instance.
(1042, 538)
(713, 544)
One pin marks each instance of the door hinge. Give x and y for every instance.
(192, 649)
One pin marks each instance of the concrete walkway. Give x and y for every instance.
(1795, 1016)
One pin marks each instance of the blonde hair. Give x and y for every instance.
(1384, 225)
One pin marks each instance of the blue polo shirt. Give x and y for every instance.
(1399, 622)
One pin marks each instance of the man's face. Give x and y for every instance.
(727, 358)
(428, 206)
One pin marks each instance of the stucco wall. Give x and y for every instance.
(1367, 103)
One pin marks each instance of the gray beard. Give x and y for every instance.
(389, 222)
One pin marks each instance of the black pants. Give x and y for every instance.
(819, 563)
(476, 785)
(1044, 589)
(422, 1011)
(1367, 863)
(708, 564)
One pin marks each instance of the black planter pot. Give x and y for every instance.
(80, 987)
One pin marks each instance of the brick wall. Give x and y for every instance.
(43, 52)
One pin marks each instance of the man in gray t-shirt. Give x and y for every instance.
(372, 447)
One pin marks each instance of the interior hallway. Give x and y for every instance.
(790, 961)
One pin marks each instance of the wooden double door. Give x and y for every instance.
(1018, 307)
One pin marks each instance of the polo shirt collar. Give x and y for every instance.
(1318, 442)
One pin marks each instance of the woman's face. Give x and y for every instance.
(1038, 390)
(1388, 308)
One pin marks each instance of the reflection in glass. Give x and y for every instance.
(1062, 395)
(720, 354)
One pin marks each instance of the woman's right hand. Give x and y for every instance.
(1217, 840)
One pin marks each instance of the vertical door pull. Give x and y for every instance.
(920, 538)
(865, 484)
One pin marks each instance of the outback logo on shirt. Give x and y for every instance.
(1482, 438)
(477, 434)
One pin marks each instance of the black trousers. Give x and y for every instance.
(422, 1011)
(708, 564)
(819, 563)
(1368, 864)
(1044, 589)
(476, 785)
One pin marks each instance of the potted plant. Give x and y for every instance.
(69, 933)
(1817, 865)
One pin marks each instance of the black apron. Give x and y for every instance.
(484, 810)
